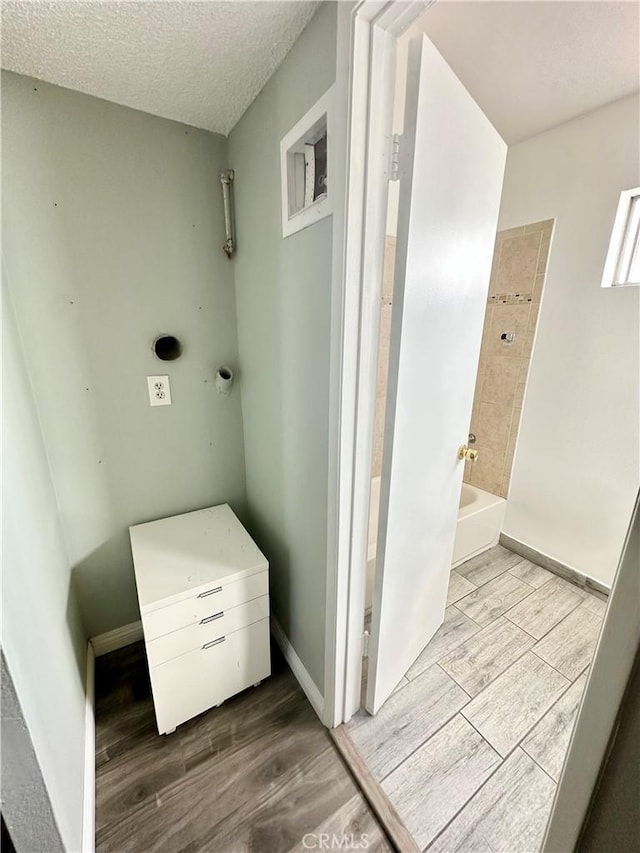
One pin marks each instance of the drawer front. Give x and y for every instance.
(207, 603)
(207, 629)
(194, 682)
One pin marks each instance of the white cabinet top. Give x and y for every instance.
(175, 557)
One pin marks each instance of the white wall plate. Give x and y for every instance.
(159, 390)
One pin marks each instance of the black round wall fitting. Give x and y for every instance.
(167, 347)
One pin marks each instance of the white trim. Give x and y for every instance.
(318, 210)
(89, 794)
(335, 593)
(116, 639)
(379, 131)
(619, 238)
(297, 668)
(346, 572)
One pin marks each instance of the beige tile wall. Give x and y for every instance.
(515, 290)
(383, 352)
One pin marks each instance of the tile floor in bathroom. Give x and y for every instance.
(470, 745)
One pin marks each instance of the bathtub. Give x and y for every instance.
(480, 520)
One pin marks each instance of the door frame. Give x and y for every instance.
(367, 34)
(358, 265)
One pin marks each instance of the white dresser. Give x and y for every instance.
(203, 588)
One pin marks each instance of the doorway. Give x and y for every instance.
(499, 385)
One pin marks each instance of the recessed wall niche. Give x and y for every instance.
(304, 164)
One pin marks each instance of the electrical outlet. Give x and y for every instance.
(159, 390)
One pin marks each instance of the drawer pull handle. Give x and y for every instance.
(212, 618)
(209, 592)
(214, 642)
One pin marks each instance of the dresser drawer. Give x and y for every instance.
(198, 680)
(207, 603)
(209, 628)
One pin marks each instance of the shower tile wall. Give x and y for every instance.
(383, 352)
(515, 290)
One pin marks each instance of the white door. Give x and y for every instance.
(451, 169)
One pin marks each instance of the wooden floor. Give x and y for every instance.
(256, 774)
(470, 746)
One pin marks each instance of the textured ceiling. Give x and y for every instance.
(533, 65)
(201, 63)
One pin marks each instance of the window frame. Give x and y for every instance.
(318, 121)
(624, 246)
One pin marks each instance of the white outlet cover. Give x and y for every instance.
(159, 390)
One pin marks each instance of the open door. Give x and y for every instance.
(451, 170)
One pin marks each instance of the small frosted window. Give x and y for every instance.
(622, 267)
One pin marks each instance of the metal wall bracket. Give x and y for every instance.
(394, 173)
(365, 644)
(226, 179)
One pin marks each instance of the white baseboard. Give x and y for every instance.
(89, 797)
(116, 639)
(298, 668)
(102, 644)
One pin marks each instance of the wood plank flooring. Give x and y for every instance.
(257, 774)
(469, 750)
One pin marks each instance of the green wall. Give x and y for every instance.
(112, 233)
(283, 291)
(42, 638)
